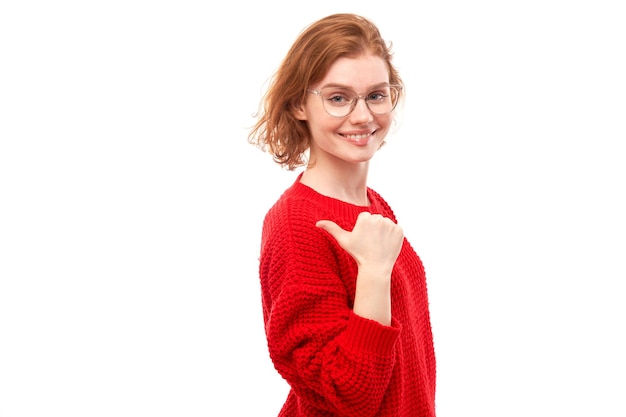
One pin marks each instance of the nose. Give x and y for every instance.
(361, 113)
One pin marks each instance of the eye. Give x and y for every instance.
(338, 98)
(377, 96)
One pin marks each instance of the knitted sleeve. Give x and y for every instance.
(334, 360)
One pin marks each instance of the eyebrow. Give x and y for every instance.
(335, 85)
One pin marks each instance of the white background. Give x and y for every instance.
(131, 203)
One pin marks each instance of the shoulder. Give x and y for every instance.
(291, 221)
(294, 210)
(380, 205)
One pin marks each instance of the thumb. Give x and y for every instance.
(331, 227)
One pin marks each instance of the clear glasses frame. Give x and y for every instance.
(342, 109)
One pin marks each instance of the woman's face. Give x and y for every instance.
(356, 137)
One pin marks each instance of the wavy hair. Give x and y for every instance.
(318, 46)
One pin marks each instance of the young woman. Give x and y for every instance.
(343, 292)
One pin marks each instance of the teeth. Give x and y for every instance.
(363, 136)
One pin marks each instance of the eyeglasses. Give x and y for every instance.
(340, 101)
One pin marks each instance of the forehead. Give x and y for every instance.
(358, 73)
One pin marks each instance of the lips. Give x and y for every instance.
(358, 138)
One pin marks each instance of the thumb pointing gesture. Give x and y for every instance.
(375, 240)
(333, 229)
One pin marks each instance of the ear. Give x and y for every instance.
(298, 111)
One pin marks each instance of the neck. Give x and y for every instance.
(347, 183)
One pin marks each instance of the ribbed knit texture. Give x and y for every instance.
(337, 363)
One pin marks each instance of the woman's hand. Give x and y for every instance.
(374, 243)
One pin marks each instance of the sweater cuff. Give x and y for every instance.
(363, 334)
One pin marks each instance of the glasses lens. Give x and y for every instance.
(340, 102)
(383, 100)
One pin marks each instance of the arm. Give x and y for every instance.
(334, 359)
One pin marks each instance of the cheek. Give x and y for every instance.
(324, 123)
(386, 120)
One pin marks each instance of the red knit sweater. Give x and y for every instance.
(338, 363)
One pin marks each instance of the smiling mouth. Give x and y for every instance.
(358, 137)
